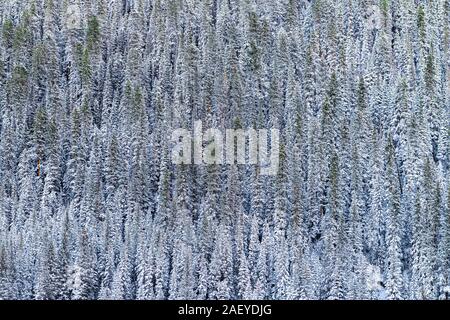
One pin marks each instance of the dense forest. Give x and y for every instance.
(93, 207)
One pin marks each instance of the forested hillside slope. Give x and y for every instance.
(92, 206)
